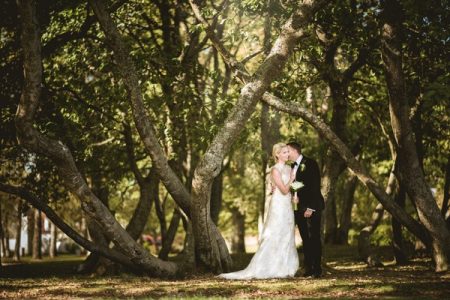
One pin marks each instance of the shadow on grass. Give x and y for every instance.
(345, 277)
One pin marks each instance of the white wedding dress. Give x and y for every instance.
(277, 256)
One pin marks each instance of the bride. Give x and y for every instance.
(277, 256)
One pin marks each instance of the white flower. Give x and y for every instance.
(296, 185)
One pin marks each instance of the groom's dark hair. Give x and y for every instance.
(296, 146)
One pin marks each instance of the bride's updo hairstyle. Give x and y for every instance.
(276, 150)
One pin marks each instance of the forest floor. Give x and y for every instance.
(344, 277)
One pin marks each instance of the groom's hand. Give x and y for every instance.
(308, 213)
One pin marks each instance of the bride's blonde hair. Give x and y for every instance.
(276, 150)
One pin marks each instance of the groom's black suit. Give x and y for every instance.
(310, 197)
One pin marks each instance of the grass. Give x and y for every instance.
(345, 277)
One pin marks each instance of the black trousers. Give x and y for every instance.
(312, 246)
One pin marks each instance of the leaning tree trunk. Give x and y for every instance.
(37, 235)
(207, 249)
(31, 138)
(144, 126)
(409, 172)
(17, 247)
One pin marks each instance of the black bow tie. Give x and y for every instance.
(294, 164)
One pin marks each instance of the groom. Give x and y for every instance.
(309, 208)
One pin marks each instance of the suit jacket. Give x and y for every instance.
(309, 195)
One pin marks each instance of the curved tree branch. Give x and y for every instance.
(75, 236)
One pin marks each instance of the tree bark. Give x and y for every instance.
(37, 235)
(170, 235)
(17, 247)
(397, 237)
(53, 239)
(1, 237)
(30, 230)
(409, 173)
(216, 197)
(148, 186)
(207, 250)
(338, 82)
(347, 205)
(445, 202)
(2, 234)
(365, 249)
(238, 238)
(30, 138)
(5, 240)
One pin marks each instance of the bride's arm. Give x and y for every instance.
(276, 175)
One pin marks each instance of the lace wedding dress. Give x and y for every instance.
(277, 256)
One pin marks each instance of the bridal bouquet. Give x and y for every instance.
(295, 186)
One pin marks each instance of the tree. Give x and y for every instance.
(409, 172)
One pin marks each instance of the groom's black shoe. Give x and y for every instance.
(308, 274)
(317, 275)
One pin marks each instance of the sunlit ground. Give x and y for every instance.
(344, 277)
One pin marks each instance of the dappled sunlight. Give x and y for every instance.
(343, 277)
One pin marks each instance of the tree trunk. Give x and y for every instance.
(365, 249)
(170, 235)
(1, 237)
(161, 214)
(31, 138)
(6, 236)
(397, 237)
(334, 164)
(216, 197)
(238, 238)
(30, 230)
(445, 202)
(333, 168)
(17, 247)
(84, 231)
(53, 239)
(366, 252)
(37, 235)
(2, 234)
(348, 197)
(409, 173)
